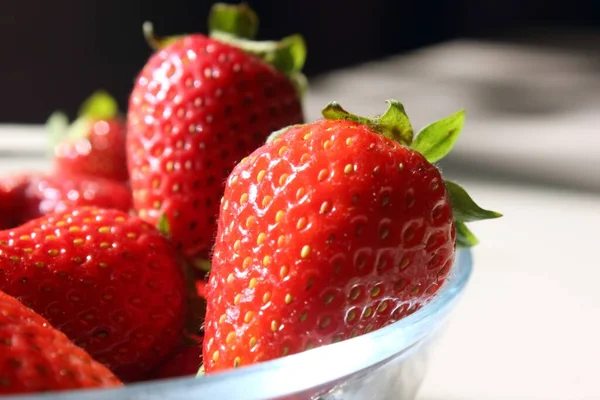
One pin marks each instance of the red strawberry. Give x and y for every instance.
(201, 287)
(186, 360)
(329, 231)
(12, 197)
(95, 143)
(37, 358)
(30, 196)
(106, 279)
(199, 105)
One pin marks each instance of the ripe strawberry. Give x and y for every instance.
(201, 287)
(37, 358)
(106, 279)
(199, 105)
(95, 143)
(29, 196)
(12, 195)
(185, 361)
(331, 230)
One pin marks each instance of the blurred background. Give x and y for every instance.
(55, 53)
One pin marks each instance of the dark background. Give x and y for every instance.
(55, 53)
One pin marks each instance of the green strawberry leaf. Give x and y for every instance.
(394, 123)
(397, 123)
(334, 110)
(465, 209)
(238, 20)
(164, 226)
(300, 83)
(464, 237)
(99, 105)
(79, 129)
(57, 126)
(436, 140)
(290, 54)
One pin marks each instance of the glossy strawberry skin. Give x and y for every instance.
(35, 357)
(106, 279)
(30, 196)
(12, 199)
(101, 153)
(329, 232)
(197, 108)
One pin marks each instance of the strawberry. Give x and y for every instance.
(12, 195)
(35, 357)
(331, 230)
(200, 104)
(106, 279)
(94, 144)
(184, 362)
(29, 196)
(201, 287)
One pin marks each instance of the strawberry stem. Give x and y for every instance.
(155, 42)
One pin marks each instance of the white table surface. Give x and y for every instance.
(528, 326)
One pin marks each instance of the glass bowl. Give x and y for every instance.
(388, 363)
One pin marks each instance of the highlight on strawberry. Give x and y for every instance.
(331, 230)
(28, 196)
(200, 104)
(93, 144)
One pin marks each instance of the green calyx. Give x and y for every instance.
(466, 210)
(99, 106)
(237, 20)
(237, 25)
(287, 55)
(434, 142)
(163, 226)
(394, 123)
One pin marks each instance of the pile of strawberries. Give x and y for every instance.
(212, 220)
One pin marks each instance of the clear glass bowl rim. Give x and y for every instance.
(296, 373)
